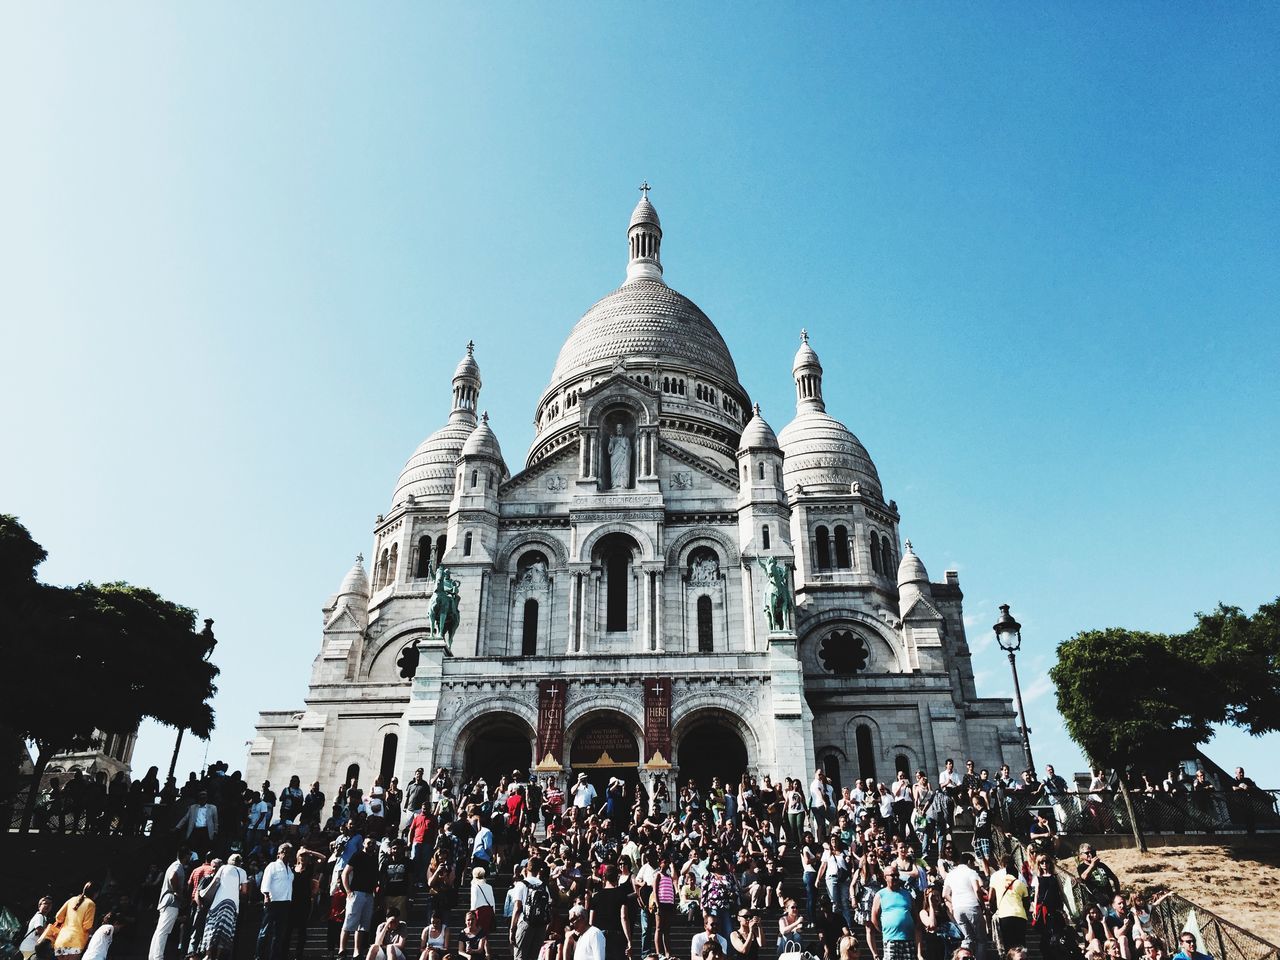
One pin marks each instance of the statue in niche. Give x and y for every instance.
(619, 460)
(534, 576)
(706, 569)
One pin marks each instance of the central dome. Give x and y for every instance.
(645, 319)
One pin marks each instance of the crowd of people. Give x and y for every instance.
(876, 870)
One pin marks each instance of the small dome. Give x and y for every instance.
(644, 213)
(429, 473)
(911, 569)
(757, 433)
(483, 442)
(467, 366)
(806, 356)
(356, 582)
(822, 454)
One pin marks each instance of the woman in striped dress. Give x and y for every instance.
(220, 925)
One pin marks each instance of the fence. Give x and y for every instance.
(1217, 936)
(1105, 812)
(101, 817)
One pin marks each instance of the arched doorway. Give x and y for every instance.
(497, 744)
(711, 748)
(604, 746)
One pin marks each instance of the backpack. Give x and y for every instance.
(536, 910)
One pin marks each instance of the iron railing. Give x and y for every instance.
(1105, 812)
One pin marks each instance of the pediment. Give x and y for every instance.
(921, 609)
(566, 456)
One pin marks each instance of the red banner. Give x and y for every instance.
(551, 694)
(657, 721)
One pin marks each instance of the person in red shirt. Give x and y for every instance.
(421, 834)
(517, 815)
(552, 803)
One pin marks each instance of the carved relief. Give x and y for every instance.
(682, 480)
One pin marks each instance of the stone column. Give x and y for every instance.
(418, 728)
(749, 603)
(575, 610)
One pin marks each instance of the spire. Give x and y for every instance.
(644, 239)
(807, 372)
(466, 388)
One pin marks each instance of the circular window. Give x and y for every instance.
(844, 653)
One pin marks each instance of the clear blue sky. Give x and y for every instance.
(242, 246)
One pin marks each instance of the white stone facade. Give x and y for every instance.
(604, 563)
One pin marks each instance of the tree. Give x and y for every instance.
(1126, 695)
(86, 658)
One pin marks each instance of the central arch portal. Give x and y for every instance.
(711, 748)
(497, 744)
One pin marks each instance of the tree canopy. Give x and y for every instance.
(93, 657)
(1127, 695)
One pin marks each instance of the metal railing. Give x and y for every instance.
(1217, 936)
(1104, 812)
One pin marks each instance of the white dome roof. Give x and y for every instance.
(483, 442)
(644, 213)
(757, 433)
(821, 453)
(911, 569)
(429, 473)
(356, 582)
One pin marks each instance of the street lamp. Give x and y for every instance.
(1009, 636)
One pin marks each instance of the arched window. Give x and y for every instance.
(488, 479)
(615, 552)
(423, 569)
(875, 552)
(761, 470)
(866, 755)
(901, 764)
(764, 536)
(529, 638)
(831, 767)
(705, 644)
(466, 544)
(387, 769)
(822, 549)
(380, 578)
(886, 557)
(353, 774)
(393, 563)
(475, 477)
(842, 547)
(441, 543)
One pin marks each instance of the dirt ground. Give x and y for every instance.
(1239, 880)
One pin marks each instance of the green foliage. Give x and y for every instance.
(86, 657)
(1127, 694)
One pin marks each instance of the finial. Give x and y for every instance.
(485, 417)
(908, 545)
(471, 348)
(644, 189)
(359, 558)
(804, 335)
(755, 409)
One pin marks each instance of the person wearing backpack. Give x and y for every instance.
(530, 910)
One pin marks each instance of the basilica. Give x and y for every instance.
(665, 586)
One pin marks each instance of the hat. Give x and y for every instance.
(582, 776)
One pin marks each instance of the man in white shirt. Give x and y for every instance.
(200, 823)
(948, 779)
(963, 893)
(584, 796)
(590, 945)
(277, 896)
(171, 901)
(700, 939)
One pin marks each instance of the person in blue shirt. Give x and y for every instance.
(893, 914)
(1187, 942)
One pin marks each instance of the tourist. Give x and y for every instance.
(707, 934)
(199, 825)
(748, 939)
(590, 942)
(530, 910)
(228, 885)
(892, 913)
(100, 943)
(473, 938)
(1008, 899)
(820, 803)
(359, 879)
(790, 925)
(72, 925)
(277, 905)
(435, 936)
(1097, 878)
(35, 927)
(483, 903)
(393, 878)
(389, 940)
(963, 893)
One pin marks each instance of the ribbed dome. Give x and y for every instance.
(467, 366)
(757, 433)
(645, 319)
(911, 569)
(821, 452)
(429, 472)
(483, 442)
(806, 356)
(356, 582)
(644, 213)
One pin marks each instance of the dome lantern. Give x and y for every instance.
(466, 388)
(644, 239)
(807, 371)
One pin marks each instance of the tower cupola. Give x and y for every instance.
(466, 388)
(644, 238)
(807, 372)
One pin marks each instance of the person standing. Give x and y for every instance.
(962, 891)
(100, 942)
(277, 902)
(892, 913)
(70, 928)
(417, 796)
(819, 803)
(589, 939)
(200, 823)
(291, 801)
(35, 927)
(530, 911)
(359, 879)
(232, 886)
(1008, 900)
(169, 908)
(584, 798)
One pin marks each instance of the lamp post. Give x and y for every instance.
(210, 642)
(1009, 636)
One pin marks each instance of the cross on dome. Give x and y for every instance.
(644, 189)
